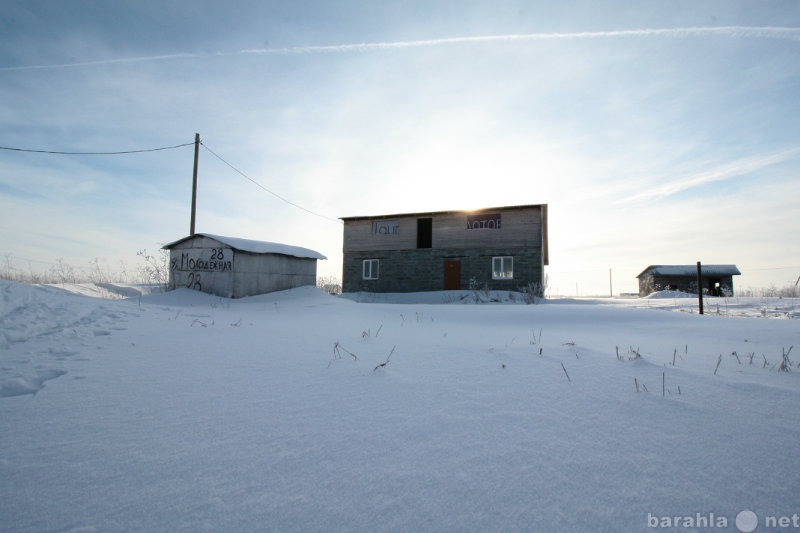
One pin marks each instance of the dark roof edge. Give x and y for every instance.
(711, 269)
(426, 213)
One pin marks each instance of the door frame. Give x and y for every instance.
(452, 274)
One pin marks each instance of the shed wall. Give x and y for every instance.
(209, 266)
(202, 264)
(262, 273)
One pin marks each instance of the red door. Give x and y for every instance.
(452, 275)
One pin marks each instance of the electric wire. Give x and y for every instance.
(257, 184)
(120, 152)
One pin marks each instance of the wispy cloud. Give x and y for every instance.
(8, 190)
(100, 62)
(730, 170)
(739, 32)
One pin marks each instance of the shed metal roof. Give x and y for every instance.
(256, 247)
(691, 270)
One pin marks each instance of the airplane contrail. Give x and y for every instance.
(724, 172)
(785, 33)
(747, 32)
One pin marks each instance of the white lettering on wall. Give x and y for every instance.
(483, 221)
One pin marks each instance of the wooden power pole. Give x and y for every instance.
(700, 286)
(194, 182)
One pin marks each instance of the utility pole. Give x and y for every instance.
(610, 284)
(700, 286)
(194, 182)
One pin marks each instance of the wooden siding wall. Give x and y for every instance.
(519, 228)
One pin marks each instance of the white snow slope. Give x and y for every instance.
(299, 411)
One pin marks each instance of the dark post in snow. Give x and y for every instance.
(700, 286)
(194, 182)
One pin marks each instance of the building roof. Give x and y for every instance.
(429, 213)
(256, 247)
(691, 270)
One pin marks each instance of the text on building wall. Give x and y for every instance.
(204, 260)
(483, 221)
(386, 227)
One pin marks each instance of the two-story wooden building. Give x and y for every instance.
(500, 248)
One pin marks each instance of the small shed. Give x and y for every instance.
(234, 268)
(715, 280)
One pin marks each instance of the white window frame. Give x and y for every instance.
(502, 261)
(370, 268)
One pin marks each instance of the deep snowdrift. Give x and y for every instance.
(299, 411)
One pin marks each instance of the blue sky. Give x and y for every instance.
(657, 132)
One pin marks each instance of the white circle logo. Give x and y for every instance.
(746, 521)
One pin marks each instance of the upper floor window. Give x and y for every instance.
(424, 232)
(502, 267)
(370, 269)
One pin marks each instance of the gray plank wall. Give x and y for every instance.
(520, 227)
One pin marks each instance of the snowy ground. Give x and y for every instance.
(299, 411)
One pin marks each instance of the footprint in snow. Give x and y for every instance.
(32, 383)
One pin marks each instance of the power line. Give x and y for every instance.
(257, 184)
(121, 152)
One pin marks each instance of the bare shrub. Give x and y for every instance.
(155, 270)
(63, 273)
(9, 271)
(330, 284)
(786, 363)
(97, 274)
(532, 292)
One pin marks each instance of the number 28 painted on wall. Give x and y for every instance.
(189, 265)
(194, 282)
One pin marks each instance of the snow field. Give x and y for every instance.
(186, 412)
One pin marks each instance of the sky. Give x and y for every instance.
(656, 132)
